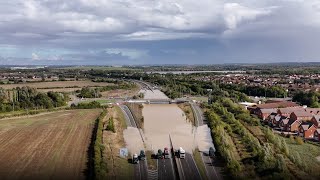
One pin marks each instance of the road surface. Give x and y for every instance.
(189, 168)
(198, 114)
(140, 169)
(165, 169)
(210, 166)
(213, 171)
(128, 115)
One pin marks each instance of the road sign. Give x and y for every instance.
(123, 152)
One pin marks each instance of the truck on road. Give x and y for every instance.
(181, 153)
(166, 153)
(135, 159)
(160, 154)
(142, 155)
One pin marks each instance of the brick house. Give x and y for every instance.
(307, 129)
(277, 120)
(270, 118)
(264, 113)
(316, 120)
(293, 125)
(316, 135)
(289, 110)
(301, 115)
(314, 111)
(283, 124)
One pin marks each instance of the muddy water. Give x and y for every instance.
(162, 120)
(133, 140)
(155, 94)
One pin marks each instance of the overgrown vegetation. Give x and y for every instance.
(100, 166)
(246, 156)
(86, 105)
(110, 125)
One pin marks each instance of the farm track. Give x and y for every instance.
(49, 147)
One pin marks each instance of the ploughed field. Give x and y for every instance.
(46, 146)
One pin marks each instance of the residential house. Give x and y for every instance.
(293, 125)
(284, 124)
(316, 120)
(264, 113)
(289, 110)
(277, 120)
(307, 129)
(301, 115)
(316, 135)
(314, 111)
(270, 118)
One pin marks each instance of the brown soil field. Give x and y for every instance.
(49, 146)
(58, 85)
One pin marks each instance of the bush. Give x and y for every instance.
(84, 105)
(110, 125)
(299, 140)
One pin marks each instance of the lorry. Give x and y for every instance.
(166, 153)
(135, 159)
(160, 154)
(142, 155)
(181, 153)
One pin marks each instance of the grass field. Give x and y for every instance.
(308, 154)
(117, 167)
(49, 146)
(60, 86)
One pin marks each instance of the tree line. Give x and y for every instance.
(22, 98)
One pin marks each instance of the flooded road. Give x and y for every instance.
(162, 120)
(155, 94)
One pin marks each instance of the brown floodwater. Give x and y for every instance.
(164, 120)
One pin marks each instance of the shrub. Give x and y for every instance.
(110, 125)
(299, 140)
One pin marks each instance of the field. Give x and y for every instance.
(61, 86)
(124, 93)
(117, 167)
(46, 146)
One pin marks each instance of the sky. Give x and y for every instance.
(136, 32)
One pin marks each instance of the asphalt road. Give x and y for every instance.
(128, 115)
(166, 169)
(189, 168)
(212, 167)
(211, 171)
(198, 114)
(140, 171)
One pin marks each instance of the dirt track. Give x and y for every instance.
(50, 146)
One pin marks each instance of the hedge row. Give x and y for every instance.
(100, 166)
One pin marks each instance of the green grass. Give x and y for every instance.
(200, 165)
(121, 117)
(308, 153)
(122, 169)
(101, 101)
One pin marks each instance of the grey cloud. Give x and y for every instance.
(82, 25)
